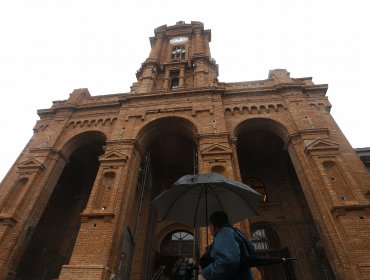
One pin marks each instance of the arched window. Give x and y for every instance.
(181, 235)
(264, 238)
(266, 243)
(178, 243)
(218, 169)
(178, 53)
(258, 186)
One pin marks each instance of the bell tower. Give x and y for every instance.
(180, 59)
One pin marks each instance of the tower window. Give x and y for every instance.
(174, 83)
(178, 53)
(174, 75)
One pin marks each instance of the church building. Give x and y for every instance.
(77, 203)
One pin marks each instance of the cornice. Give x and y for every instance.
(341, 210)
(169, 94)
(7, 219)
(213, 135)
(304, 132)
(73, 108)
(107, 216)
(317, 90)
(128, 142)
(270, 87)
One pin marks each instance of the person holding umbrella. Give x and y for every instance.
(226, 252)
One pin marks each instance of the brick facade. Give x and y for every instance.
(76, 203)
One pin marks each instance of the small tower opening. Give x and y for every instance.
(175, 82)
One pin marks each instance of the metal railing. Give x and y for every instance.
(159, 273)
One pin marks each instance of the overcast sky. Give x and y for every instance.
(50, 47)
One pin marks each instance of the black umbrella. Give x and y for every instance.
(253, 261)
(192, 198)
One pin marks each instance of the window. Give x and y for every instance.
(175, 82)
(178, 243)
(178, 53)
(264, 238)
(258, 186)
(181, 235)
(259, 240)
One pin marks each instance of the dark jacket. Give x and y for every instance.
(225, 253)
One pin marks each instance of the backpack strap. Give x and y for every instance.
(246, 247)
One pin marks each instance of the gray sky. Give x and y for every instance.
(50, 47)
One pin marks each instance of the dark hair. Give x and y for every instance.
(219, 219)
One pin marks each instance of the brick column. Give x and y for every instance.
(157, 48)
(321, 202)
(198, 42)
(182, 78)
(26, 205)
(166, 81)
(97, 249)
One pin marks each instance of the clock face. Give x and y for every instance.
(179, 40)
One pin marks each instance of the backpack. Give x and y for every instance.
(246, 249)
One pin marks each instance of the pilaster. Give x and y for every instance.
(315, 158)
(105, 216)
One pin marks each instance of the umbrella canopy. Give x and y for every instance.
(192, 198)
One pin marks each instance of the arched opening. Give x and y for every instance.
(266, 166)
(266, 243)
(218, 169)
(52, 240)
(171, 150)
(176, 245)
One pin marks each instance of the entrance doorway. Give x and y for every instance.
(169, 144)
(266, 243)
(175, 246)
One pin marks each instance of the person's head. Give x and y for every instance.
(218, 219)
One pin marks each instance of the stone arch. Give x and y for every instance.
(264, 236)
(152, 130)
(261, 153)
(228, 110)
(263, 109)
(68, 194)
(280, 108)
(237, 110)
(271, 108)
(166, 231)
(254, 110)
(170, 148)
(80, 139)
(245, 110)
(264, 124)
(220, 169)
